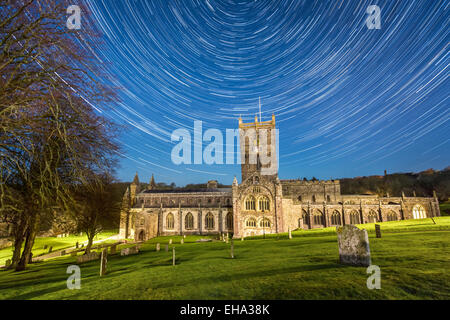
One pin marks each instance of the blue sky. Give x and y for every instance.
(348, 100)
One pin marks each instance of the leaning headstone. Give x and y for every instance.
(45, 246)
(8, 263)
(88, 257)
(63, 252)
(158, 247)
(103, 262)
(76, 245)
(167, 248)
(378, 231)
(182, 241)
(170, 241)
(173, 256)
(353, 246)
(50, 249)
(113, 249)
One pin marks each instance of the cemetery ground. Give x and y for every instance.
(413, 255)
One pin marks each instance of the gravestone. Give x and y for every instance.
(167, 248)
(50, 249)
(63, 252)
(203, 240)
(182, 241)
(113, 249)
(173, 256)
(76, 245)
(128, 251)
(45, 246)
(242, 238)
(88, 257)
(8, 263)
(232, 249)
(103, 262)
(378, 230)
(82, 245)
(170, 241)
(353, 246)
(290, 233)
(73, 254)
(184, 236)
(158, 247)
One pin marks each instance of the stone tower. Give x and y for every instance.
(258, 145)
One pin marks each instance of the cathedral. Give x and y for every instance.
(259, 204)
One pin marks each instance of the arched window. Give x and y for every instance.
(209, 221)
(318, 218)
(336, 218)
(392, 216)
(229, 220)
(372, 217)
(263, 204)
(170, 222)
(189, 221)
(305, 217)
(299, 198)
(251, 222)
(250, 203)
(328, 198)
(313, 198)
(354, 217)
(265, 223)
(419, 212)
(228, 201)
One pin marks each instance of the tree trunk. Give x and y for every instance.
(29, 242)
(90, 241)
(18, 241)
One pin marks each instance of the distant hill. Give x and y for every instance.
(423, 183)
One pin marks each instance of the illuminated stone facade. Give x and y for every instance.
(260, 204)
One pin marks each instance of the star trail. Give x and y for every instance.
(348, 100)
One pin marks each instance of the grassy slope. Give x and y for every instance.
(414, 264)
(56, 243)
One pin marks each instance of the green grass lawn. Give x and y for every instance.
(414, 262)
(445, 208)
(56, 243)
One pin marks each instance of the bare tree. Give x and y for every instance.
(50, 137)
(96, 204)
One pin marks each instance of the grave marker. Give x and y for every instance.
(353, 246)
(103, 262)
(378, 230)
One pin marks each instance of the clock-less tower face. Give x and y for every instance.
(258, 148)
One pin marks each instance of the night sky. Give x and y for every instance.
(349, 101)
